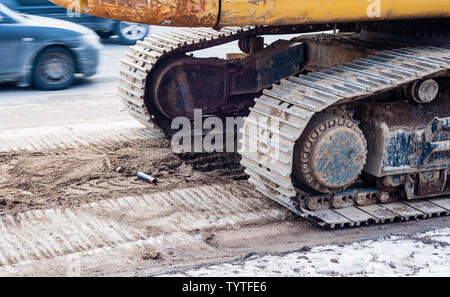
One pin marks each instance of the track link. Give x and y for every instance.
(142, 58)
(281, 114)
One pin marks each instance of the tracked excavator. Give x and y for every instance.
(345, 128)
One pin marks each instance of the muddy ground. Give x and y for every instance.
(47, 179)
(69, 178)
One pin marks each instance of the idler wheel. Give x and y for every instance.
(330, 154)
(423, 91)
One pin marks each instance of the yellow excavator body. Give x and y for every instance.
(293, 12)
(220, 13)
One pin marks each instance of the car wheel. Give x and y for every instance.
(54, 69)
(129, 33)
(105, 35)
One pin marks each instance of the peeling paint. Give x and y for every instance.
(183, 13)
(192, 13)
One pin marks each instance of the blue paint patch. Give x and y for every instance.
(336, 162)
(410, 148)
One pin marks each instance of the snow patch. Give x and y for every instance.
(423, 254)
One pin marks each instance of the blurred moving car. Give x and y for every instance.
(45, 52)
(128, 32)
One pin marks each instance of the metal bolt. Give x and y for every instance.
(424, 91)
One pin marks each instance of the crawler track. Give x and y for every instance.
(142, 58)
(281, 114)
(145, 55)
(291, 104)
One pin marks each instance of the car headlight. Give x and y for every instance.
(92, 40)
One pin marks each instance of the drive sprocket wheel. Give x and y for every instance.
(330, 155)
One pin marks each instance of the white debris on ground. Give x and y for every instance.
(424, 254)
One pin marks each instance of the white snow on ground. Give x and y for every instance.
(424, 254)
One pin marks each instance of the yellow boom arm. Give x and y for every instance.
(209, 13)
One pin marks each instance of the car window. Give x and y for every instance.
(8, 16)
(4, 19)
(33, 2)
(40, 8)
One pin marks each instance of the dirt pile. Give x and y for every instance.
(30, 180)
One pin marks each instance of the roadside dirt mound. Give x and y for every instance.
(69, 177)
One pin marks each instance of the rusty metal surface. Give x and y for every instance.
(145, 56)
(406, 137)
(261, 69)
(179, 13)
(427, 184)
(295, 103)
(178, 84)
(331, 153)
(328, 50)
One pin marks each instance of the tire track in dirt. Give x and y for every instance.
(156, 221)
(96, 135)
(69, 176)
(72, 191)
